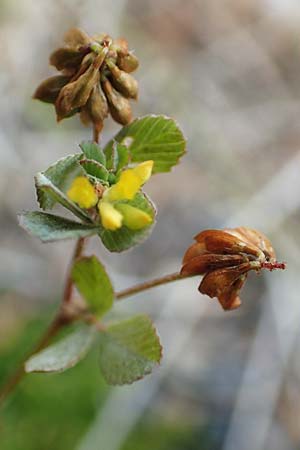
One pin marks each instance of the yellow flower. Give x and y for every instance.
(130, 182)
(83, 193)
(113, 215)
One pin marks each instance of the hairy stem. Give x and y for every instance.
(150, 284)
(69, 283)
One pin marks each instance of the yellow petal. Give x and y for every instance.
(126, 188)
(111, 218)
(130, 182)
(134, 218)
(83, 193)
(144, 170)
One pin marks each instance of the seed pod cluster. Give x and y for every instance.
(95, 79)
(225, 257)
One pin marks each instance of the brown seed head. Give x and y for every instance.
(225, 257)
(95, 79)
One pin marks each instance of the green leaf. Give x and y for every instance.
(64, 354)
(112, 157)
(93, 151)
(49, 227)
(95, 169)
(118, 157)
(124, 238)
(61, 174)
(45, 186)
(156, 138)
(129, 350)
(123, 156)
(93, 284)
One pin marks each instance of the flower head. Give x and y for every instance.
(225, 257)
(114, 212)
(95, 79)
(114, 205)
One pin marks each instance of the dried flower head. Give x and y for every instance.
(95, 79)
(225, 257)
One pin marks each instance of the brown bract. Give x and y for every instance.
(225, 257)
(95, 79)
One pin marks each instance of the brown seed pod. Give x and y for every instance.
(123, 82)
(119, 106)
(96, 108)
(50, 88)
(67, 58)
(75, 94)
(129, 63)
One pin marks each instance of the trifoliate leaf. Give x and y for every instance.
(93, 151)
(95, 169)
(93, 284)
(45, 187)
(61, 174)
(156, 138)
(125, 238)
(64, 354)
(129, 350)
(49, 227)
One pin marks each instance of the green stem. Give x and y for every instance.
(150, 284)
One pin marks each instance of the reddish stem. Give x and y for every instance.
(273, 265)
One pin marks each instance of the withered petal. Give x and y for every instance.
(119, 106)
(219, 281)
(123, 82)
(67, 58)
(207, 262)
(50, 88)
(75, 94)
(76, 37)
(230, 299)
(257, 238)
(195, 249)
(218, 241)
(129, 63)
(121, 45)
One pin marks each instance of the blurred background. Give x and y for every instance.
(229, 72)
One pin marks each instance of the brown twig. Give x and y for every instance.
(69, 283)
(150, 284)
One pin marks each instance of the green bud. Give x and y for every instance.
(49, 89)
(119, 106)
(111, 178)
(129, 63)
(123, 82)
